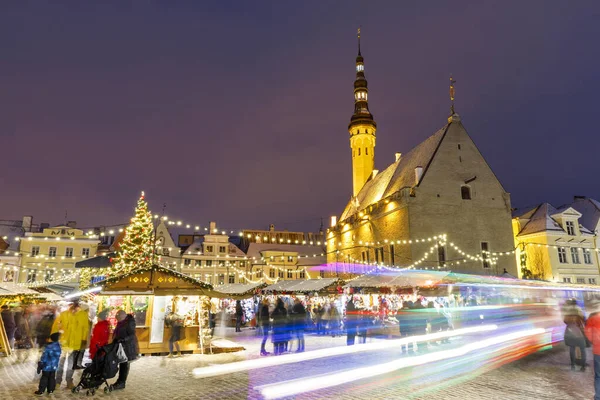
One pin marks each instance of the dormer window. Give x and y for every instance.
(570, 225)
(360, 67)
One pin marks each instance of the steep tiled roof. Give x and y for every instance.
(400, 174)
(541, 220)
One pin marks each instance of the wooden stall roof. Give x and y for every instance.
(237, 291)
(158, 281)
(303, 285)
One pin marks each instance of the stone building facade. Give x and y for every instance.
(438, 206)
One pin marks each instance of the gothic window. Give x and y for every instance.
(465, 192)
(392, 255)
(359, 151)
(485, 252)
(366, 151)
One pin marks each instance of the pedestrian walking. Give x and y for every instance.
(43, 328)
(48, 365)
(299, 315)
(351, 319)
(265, 325)
(592, 332)
(65, 325)
(575, 333)
(100, 333)
(125, 334)
(78, 337)
(239, 312)
(8, 318)
(176, 324)
(280, 326)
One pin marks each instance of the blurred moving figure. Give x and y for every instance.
(592, 332)
(299, 317)
(574, 332)
(265, 324)
(280, 327)
(8, 318)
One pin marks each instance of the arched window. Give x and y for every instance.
(465, 192)
(366, 151)
(359, 151)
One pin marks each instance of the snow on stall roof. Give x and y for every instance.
(309, 285)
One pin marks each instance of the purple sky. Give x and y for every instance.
(239, 113)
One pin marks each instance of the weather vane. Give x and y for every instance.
(358, 35)
(452, 82)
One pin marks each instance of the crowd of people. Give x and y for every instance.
(64, 335)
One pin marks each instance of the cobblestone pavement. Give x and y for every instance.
(542, 375)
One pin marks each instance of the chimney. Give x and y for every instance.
(212, 226)
(418, 175)
(27, 222)
(44, 225)
(272, 228)
(72, 224)
(398, 155)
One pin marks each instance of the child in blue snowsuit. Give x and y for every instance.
(48, 366)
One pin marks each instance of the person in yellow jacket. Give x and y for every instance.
(74, 326)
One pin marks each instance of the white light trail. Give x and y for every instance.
(246, 365)
(308, 384)
(92, 290)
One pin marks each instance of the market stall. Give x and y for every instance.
(228, 295)
(151, 295)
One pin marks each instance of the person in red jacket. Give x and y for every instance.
(100, 333)
(592, 331)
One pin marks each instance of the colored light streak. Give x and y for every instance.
(309, 384)
(222, 369)
(77, 294)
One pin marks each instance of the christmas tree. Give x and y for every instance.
(135, 250)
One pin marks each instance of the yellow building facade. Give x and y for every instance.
(551, 244)
(51, 255)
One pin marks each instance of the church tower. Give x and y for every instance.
(362, 129)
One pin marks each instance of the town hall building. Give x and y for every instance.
(439, 206)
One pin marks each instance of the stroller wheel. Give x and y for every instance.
(93, 391)
(87, 393)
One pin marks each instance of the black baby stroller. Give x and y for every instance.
(105, 365)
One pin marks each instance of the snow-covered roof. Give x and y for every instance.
(541, 219)
(399, 175)
(590, 211)
(255, 249)
(238, 288)
(301, 286)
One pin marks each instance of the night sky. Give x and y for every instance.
(238, 111)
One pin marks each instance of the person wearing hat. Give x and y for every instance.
(48, 365)
(100, 333)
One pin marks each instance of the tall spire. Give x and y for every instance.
(361, 104)
(362, 129)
